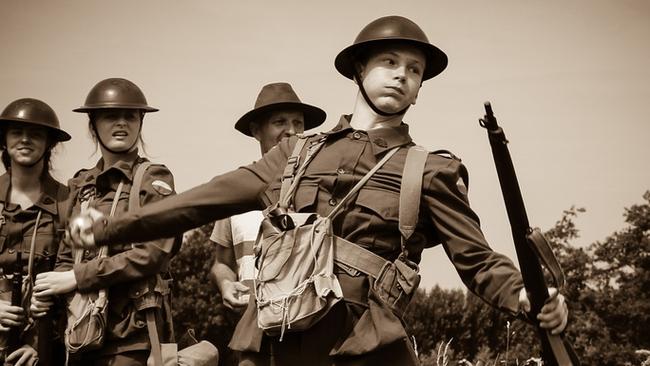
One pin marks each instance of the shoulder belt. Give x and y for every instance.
(363, 260)
(152, 327)
(295, 169)
(138, 177)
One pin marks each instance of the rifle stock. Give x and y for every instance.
(530, 245)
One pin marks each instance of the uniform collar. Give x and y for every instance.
(47, 201)
(381, 139)
(124, 166)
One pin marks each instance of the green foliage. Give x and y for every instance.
(196, 301)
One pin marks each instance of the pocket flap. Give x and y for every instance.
(383, 203)
(407, 277)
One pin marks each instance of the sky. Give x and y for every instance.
(568, 80)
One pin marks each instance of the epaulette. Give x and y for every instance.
(446, 154)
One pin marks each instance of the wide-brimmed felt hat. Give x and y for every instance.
(280, 96)
(34, 112)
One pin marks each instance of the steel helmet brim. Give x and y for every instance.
(90, 108)
(36, 113)
(115, 93)
(436, 59)
(59, 135)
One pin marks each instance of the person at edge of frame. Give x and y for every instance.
(31, 201)
(278, 113)
(116, 108)
(389, 60)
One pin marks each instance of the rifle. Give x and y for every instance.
(530, 245)
(13, 342)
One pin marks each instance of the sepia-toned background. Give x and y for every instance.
(569, 82)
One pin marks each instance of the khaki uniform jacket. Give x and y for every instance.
(128, 265)
(370, 220)
(16, 233)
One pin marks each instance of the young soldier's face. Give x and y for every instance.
(118, 129)
(392, 77)
(280, 124)
(26, 144)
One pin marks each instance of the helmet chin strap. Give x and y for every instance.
(372, 105)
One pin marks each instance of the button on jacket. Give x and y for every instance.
(126, 264)
(370, 220)
(16, 231)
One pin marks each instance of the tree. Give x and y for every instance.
(197, 303)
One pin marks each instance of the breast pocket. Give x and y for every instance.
(306, 197)
(376, 218)
(382, 205)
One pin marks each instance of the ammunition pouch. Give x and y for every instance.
(393, 282)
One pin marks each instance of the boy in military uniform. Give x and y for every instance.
(389, 60)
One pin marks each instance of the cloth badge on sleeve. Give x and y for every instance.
(162, 187)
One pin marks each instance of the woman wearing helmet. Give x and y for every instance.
(129, 273)
(30, 225)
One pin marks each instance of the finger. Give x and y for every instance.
(524, 302)
(94, 214)
(24, 359)
(241, 287)
(15, 354)
(552, 293)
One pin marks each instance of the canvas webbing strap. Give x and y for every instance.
(152, 328)
(361, 182)
(103, 250)
(410, 192)
(32, 246)
(294, 170)
(352, 255)
(363, 260)
(134, 193)
(156, 351)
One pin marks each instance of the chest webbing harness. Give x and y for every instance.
(394, 281)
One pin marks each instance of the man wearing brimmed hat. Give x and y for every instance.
(278, 113)
(389, 60)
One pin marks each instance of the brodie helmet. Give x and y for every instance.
(115, 93)
(34, 112)
(392, 29)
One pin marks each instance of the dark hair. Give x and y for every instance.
(93, 131)
(47, 156)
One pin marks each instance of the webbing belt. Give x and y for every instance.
(352, 255)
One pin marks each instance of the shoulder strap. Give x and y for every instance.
(410, 192)
(138, 177)
(152, 328)
(294, 170)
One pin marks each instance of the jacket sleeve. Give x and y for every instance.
(64, 257)
(142, 259)
(232, 193)
(490, 275)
